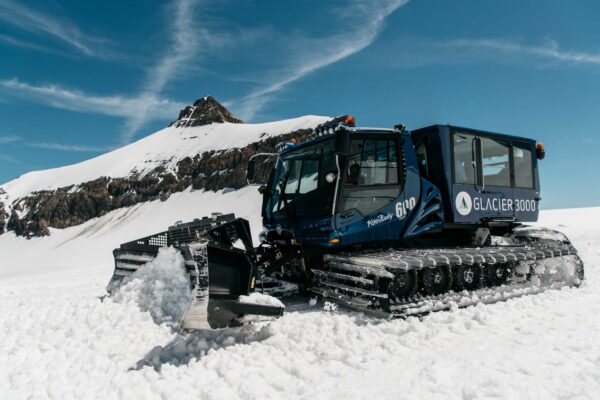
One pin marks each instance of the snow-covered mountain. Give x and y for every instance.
(206, 148)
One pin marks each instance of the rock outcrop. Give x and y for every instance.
(204, 111)
(3, 217)
(69, 206)
(39, 211)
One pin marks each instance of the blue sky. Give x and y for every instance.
(79, 78)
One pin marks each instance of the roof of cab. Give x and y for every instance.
(453, 128)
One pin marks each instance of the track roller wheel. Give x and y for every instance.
(468, 277)
(403, 285)
(436, 280)
(498, 274)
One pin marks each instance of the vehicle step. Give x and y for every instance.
(336, 275)
(352, 289)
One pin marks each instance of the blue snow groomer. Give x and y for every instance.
(386, 221)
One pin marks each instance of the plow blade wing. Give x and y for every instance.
(219, 272)
(224, 273)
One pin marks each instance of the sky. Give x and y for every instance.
(81, 78)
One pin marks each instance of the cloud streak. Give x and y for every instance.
(7, 158)
(549, 50)
(75, 100)
(9, 139)
(19, 141)
(184, 46)
(11, 41)
(186, 42)
(62, 29)
(366, 17)
(418, 52)
(70, 147)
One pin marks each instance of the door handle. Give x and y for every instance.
(347, 214)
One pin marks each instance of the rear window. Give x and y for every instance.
(523, 162)
(482, 160)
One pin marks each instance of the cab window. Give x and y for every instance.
(372, 176)
(523, 162)
(464, 158)
(490, 161)
(495, 162)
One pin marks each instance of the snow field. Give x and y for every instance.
(60, 342)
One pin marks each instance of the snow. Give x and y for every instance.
(261, 299)
(60, 341)
(165, 147)
(161, 287)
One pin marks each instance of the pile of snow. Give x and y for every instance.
(163, 148)
(261, 299)
(161, 287)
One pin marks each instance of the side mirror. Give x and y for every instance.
(259, 168)
(342, 142)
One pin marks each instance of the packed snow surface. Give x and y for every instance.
(59, 341)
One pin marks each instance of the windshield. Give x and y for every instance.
(301, 176)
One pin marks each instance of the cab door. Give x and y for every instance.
(372, 178)
(482, 177)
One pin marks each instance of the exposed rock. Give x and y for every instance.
(70, 206)
(204, 111)
(3, 217)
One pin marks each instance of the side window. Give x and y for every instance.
(495, 162)
(421, 153)
(371, 162)
(309, 180)
(464, 158)
(294, 176)
(523, 165)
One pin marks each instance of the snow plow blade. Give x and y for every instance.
(219, 272)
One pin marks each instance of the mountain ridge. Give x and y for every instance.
(212, 156)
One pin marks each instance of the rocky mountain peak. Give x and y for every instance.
(204, 111)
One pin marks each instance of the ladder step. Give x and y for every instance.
(352, 289)
(335, 275)
(361, 269)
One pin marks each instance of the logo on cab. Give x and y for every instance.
(463, 203)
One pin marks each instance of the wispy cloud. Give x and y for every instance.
(9, 139)
(186, 43)
(75, 100)
(5, 39)
(60, 28)
(20, 141)
(549, 50)
(417, 52)
(7, 158)
(71, 147)
(362, 21)
(185, 40)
